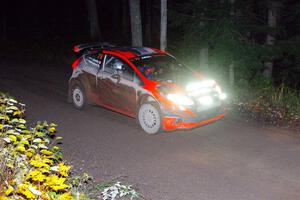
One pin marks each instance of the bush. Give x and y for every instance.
(32, 165)
(277, 105)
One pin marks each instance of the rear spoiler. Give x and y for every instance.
(83, 48)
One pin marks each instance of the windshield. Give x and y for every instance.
(161, 68)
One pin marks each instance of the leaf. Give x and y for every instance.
(55, 148)
(34, 191)
(20, 148)
(65, 196)
(14, 120)
(46, 152)
(12, 108)
(39, 134)
(23, 189)
(9, 190)
(56, 183)
(22, 121)
(36, 175)
(17, 113)
(31, 150)
(13, 132)
(22, 126)
(42, 146)
(8, 140)
(53, 125)
(37, 140)
(52, 130)
(28, 154)
(11, 100)
(24, 141)
(13, 138)
(63, 169)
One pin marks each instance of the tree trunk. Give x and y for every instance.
(204, 58)
(148, 22)
(93, 19)
(125, 21)
(136, 24)
(163, 25)
(272, 15)
(231, 66)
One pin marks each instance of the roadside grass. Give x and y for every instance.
(275, 105)
(32, 165)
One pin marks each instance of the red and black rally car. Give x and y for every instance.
(144, 83)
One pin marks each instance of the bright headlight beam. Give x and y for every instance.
(180, 99)
(223, 96)
(200, 84)
(206, 100)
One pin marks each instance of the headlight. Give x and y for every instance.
(205, 100)
(223, 96)
(180, 99)
(200, 84)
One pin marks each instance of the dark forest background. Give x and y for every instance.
(235, 41)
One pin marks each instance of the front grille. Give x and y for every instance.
(208, 113)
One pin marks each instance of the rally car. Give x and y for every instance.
(144, 83)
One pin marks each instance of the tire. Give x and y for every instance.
(149, 118)
(78, 97)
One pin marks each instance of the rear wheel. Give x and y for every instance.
(149, 118)
(78, 97)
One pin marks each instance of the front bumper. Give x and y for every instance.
(174, 121)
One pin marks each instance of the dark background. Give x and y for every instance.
(48, 30)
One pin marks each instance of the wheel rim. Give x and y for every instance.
(149, 118)
(77, 97)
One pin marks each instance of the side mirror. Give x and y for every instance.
(119, 66)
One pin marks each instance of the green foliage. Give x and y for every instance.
(32, 165)
(277, 105)
(235, 34)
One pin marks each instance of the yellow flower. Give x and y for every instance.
(65, 196)
(63, 169)
(56, 183)
(52, 130)
(23, 189)
(40, 162)
(9, 190)
(28, 154)
(17, 112)
(36, 175)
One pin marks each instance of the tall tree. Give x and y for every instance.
(231, 66)
(136, 24)
(163, 25)
(148, 22)
(93, 19)
(272, 21)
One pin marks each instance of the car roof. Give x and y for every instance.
(132, 52)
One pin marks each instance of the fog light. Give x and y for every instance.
(223, 96)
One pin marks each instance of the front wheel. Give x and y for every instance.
(149, 118)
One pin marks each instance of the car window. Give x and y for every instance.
(95, 59)
(114, 65)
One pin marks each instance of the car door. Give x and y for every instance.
(90, 71)
(116, 88)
